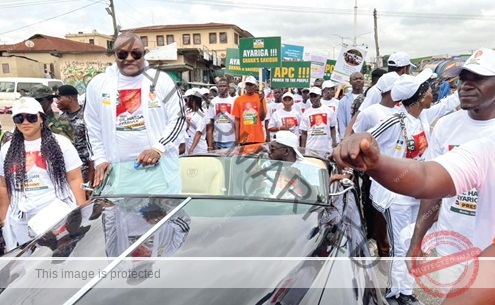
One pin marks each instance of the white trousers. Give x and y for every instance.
(398, 217)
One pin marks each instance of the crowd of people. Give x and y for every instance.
(133, 112)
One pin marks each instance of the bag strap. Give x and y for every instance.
(410, 143)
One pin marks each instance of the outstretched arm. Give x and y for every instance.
(404, 176)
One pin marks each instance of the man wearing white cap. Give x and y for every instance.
(471, 165)
(405, 136)
(249, 112)
(318, 125)
(458, 213)
(400, 62)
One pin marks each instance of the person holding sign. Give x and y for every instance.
(249, 112)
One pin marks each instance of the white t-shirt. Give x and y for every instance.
(224, 122)
(372, 116)
(472, 165)
(373, 96)
(317, 122)
(196, 121)
(297, 98)
(304, 106)
(132, 138)
(332, 104)
(457, 213)
(39, 188)
(282, 117)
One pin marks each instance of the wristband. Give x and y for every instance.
(158, 152)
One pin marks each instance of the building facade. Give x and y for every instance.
(93, 38)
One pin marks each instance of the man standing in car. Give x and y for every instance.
(135, 113)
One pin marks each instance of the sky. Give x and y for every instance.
(418, 27)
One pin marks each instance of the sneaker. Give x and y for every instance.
(408, 300)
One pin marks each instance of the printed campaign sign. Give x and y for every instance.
(294, 74)
(233, 64)
(292, 52)
(350, 60)
(318, 63)
(329, 69)
(261, 52)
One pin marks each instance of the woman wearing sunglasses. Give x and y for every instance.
(37, 167)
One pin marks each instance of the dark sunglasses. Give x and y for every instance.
(19, 118)
(122, 54)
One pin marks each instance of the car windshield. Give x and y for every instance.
(232, 175)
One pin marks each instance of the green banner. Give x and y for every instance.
(329, 69)
(233, 66)
(293, 74)
(261, 52)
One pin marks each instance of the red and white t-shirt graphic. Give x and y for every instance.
(290, 121)
(421, 145)
(129, 111)
(223, 108)
(319, 119)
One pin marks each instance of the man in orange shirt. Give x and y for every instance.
(249, 111)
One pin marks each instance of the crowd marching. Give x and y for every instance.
(48, 155)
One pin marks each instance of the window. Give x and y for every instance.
(197, 38)
(223, 37)
(236, 38)
(5, 68)
(186, 39)
(6, 86)
(144, 39)
(159, 40)
(26, 86)
(91, 41)
(213, 37)
(170, 39)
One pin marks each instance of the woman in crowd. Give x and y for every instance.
(37, 168)
(196, 123)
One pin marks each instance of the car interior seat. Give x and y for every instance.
(202, 175)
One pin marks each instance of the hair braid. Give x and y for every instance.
(15, 163)
(54, 159)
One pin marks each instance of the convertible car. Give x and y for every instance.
(244, 230)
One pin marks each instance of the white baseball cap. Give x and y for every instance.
(328, 84)
(386, 81)
(400, 59)
(214, 88)
(407, 85)
(27, 105)
(288, 94)
(315, 90)
(204, 91)
(251, 79)
(192, 92)
(287, 138)
(482, 62)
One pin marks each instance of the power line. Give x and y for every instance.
(66, 13)
(147, 17)
(16, 4)
(334, 11)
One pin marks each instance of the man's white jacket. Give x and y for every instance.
(164, 118)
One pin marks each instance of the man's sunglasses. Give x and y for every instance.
(122, 54)
(19, 118)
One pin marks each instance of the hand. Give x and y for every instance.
(190, 152)
(414, 251)
(100, 174)
(148, 157)
(359, 151)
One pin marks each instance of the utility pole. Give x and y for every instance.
(378, 57)
(112, 13)
(355, 24)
